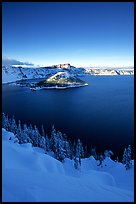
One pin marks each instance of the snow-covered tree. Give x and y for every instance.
(47, 143)
(42, 143)
(60, 154)
(19, 132)
(5, 122)
(43, 132)
(101, 159)
(128, 163)
(76, 163)
(79, 152)
(25, 135)
(13, 127)
(108, 153)
(53, 140)
(29, 132)
(73, 150)
(36, 136)
(67, 149)
(60, 151)
(124, 156)
(79, 149)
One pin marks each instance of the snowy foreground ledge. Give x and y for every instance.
(30, 175)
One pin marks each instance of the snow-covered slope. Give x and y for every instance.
(13, 73)
(30, 175)
(108, 71)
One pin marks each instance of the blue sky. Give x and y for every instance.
(82, 34)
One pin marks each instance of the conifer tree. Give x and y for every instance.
(36, 136)
(5, 122)
(108, 153)
(59, 147)
(73, 150)
(76, 163)
(25, 135)
(42, 143)
(13, 127)
(30, 132)
(19, 132)
(124, 156)
(43, 132)
(101, 159)
(67, 149)
(128, 158)
(47, 143)
(79, 149)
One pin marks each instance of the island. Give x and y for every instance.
(60, 80)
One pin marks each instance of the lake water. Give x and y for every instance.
(100, 114)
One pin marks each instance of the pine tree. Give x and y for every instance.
(60, 152)
(19, 132)
(124, 156)
(67, 149)
(101, 159)
(26, 138)
(108, 153)
(53, 140)
(128, 158)
(43, 132)
(47, 143)
(13, 127)
(76, 163)
(79, 151)
(42, 143)
(36, 136)
(73, 150)
(5, 122)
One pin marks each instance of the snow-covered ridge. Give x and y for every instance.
(59, 75)
(30, 175)
(108, 71)
(13, 73)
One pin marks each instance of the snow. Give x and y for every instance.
(14, 73)
(61, 75)
(58, 87)
(30, 175)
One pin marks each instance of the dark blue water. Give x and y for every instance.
(100, 114)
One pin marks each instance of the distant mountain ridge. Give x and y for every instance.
(13, 73)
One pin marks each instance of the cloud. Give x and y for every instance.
(8, 61)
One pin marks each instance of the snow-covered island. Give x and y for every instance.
(30, 175)
(60, 80)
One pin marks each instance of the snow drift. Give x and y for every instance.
(30, 175)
